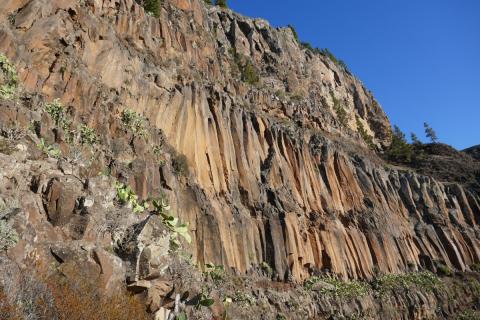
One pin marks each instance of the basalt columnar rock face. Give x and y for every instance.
(278, 171)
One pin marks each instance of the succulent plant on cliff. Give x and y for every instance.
(134, 122)
(215, 272)
(204, 300)
(57, 112)
(49, 150)
(88, 135)
(126, 196)
(161, 207)
(8, 78)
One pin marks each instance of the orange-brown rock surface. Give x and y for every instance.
(273, 182)
(278, 172)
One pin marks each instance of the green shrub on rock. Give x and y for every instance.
(222, 3)
(126, 196)
(180, 165)
(88, 135)
(444, 270)
(399, 150)
(294, 32)
(134, 122)
(363, 133)
(340, 111)
(250, 73)
(8, 78)
(8, 236)
(152, 7)
(425, 280)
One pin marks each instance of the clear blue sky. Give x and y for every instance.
(421, 58)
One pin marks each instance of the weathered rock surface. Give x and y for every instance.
(276, 173)
(272, 189)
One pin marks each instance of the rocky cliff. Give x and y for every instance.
(265, 147)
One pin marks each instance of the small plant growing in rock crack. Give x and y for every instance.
(363, 133)
(63, 69)
(49, 150)
(266, 268)
(161, 207)
(88, 135)
(215, 272)
(327, 53)
(444, 270)
(134, 122)
(339, 110)
(157, 150)
(248, 72)
(294, 32)
(126, 196)
(244, 298)
(8, 236)
(57, 112)
(11, 18)
(204, 300)
(8, 78)
(187, 257)
(180, 165)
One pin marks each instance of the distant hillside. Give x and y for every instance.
(474, 151)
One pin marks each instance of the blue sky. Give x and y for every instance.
(421, 58)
